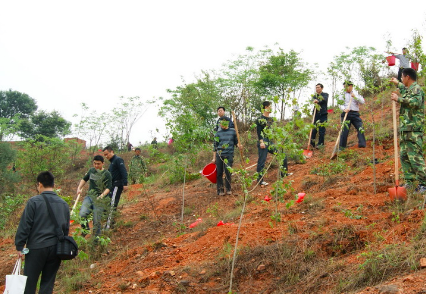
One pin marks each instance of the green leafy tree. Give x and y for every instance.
(416, 51)
(282, 74)
(14, 107)
(43, 123)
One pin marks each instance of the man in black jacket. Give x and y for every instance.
(221, 114)
(37, 232)
(223, 155)
(119, 175)
(321, 99)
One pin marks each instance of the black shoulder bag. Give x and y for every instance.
(67, 247)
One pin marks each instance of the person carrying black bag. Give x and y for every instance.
(38, 233)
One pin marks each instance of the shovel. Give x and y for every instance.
(396, 193)
(308, 153)
(336, 146)
(75, 205)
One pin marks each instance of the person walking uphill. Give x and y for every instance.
(355, 100)
(264, 145)
(99, 187)
(321, 115)
(119, 175)
(411, 124)
(37, 232)
(223, 155)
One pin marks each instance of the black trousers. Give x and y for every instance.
(221, 167)
(263, 154)
(400, 74)
(353, 118)
(41, 261)
(117, 194)
(319, 118)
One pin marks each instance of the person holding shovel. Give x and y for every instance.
(100, 181)
(411, 124)
(265, 145)
(351, 102)
(320, 100)
(223, 154)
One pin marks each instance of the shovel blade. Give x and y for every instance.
(307, 153)
(397, 193)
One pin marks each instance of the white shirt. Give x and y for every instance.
(356, 101)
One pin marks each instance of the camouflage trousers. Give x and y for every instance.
(136, 177)
(412, 160)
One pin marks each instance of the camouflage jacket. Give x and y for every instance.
(137, 164)
(411, 113)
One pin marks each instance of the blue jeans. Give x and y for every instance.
(98, 207)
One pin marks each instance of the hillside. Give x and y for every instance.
(343, 238)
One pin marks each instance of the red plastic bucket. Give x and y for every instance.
(330, 110)
(209, 171)
(391, 60)
(415, 66)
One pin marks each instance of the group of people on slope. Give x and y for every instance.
(37, 233)
(411, 130)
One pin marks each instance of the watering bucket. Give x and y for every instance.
(391, 60)
(415, 66)
(209, 171)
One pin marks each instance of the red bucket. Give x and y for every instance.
(209, 171)
(415, 66)
(330, 110)
(391, 60)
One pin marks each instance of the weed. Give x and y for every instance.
(213, 210)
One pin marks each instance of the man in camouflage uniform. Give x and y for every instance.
(411, 123)
(137, 168)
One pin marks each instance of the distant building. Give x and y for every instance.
(79, 141)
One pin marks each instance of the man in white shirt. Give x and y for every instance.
(404, 61)
(353, 115)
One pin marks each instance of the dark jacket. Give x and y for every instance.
(118, 171)
(218, 128)
(99, 180)
(323, 100)
(225, 141)
(36, 229)
(261, 124)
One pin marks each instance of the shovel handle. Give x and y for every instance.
(395, 142)
(238, 137)
(336, 146)
(75, 203)
(310, 133)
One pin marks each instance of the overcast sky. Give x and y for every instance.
(63, 53)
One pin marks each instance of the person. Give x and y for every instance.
(118, 173)
(221, 114)
(99, 187)
(404, 61)
(37, 232)
(154, 143)
(353, 116)
(129, 146)
(265, 145)
(137, 168)
(223, 155)
(411, 124)
(320, 99)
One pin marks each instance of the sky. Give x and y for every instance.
(64, 53)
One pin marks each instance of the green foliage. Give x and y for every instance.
(328, 169)
(7, 176)
(43, 154)
(45, 124)
(15, 107)
(282, 74)
(415, 49)
(8, 206)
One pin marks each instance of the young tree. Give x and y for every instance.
(7, 174)
(282, 74)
